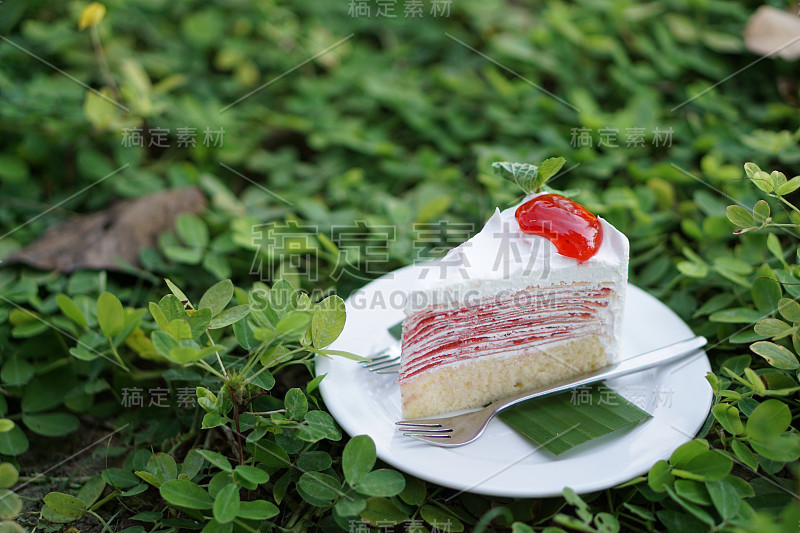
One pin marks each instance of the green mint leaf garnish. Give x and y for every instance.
(529, 178)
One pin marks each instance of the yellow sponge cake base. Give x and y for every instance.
(475, 382)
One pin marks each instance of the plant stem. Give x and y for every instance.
(219, 359)
(117, 356)
(251, 378)
(236, 421)
(787, 202)
(102, 502)
(266, 412)
(206, 366)
(290, 352)
(101, 58)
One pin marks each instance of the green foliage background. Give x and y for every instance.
(398, 124)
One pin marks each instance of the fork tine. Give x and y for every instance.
(375, 360)
(419, 436)
(427, 430)
(394, 369)
(383, 365)
(417, 424)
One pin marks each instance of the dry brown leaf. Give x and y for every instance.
(773, 32)
(110, 238)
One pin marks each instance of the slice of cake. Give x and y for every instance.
(535, 297)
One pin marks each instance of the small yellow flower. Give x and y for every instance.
(91, 15)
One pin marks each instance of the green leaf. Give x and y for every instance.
(148, 477)
(257, 510)
(212, 526)
(65, 504)
(186, 256)
(774, 246)
(158, 315)
(179, 329)
(381, 482)
(11, 507)
(694, 509)
(182, 298)
(763, 181)
(229, 316)
(440, 518)
(119, 478)
(296, 404)
(172, 308)
(198, 322)
(16, 371)
(252, 474)
(264, 379)
(772, 327)
(226, 504)
(216, 459)
(71, 310)
(314, 461)
(659, 477)
(13, 442)
(358, 458)
(783, 448)
(51, 424)
(110, 315)
(693, 270)
(769, 419)
(710, 465)
(776, 355)
(163, 342)
(737, 315)
(789, 309)
(382, 512)
(549, 168)
(293, 326)
(414, 493)
(725, 498)
(523, 174)
(319, 486)
(328, 321)
(766, 291)
(244, 335)
(761, 211)
(271, 454)
(740, 216)
(324, 423)
(693, 491)
(163, 465)
(8, 475)
(559, 422)
(192, 230)
(217, 297)
(350, 505)
(789, 187)
(744, 454)
(186, 494)
(212, 420)
(728, 417)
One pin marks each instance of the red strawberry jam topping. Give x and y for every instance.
(573, 230)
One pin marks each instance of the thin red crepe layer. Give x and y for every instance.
(439, 335)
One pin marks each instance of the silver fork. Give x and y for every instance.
(386, 361)
(461, 429)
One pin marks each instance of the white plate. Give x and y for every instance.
(501, 462)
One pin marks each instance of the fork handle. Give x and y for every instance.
(661, 356)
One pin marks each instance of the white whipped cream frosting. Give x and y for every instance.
(502, 258)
